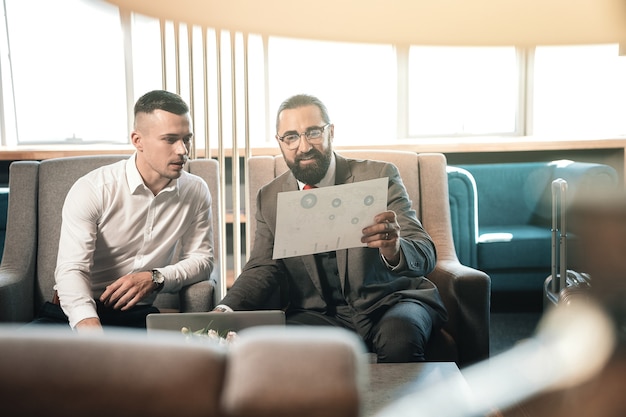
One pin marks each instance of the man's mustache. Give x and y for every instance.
(312, 154)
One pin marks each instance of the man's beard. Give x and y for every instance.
(311, 174)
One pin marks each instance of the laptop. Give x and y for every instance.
(220, 322)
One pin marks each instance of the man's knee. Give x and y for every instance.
(402, 334)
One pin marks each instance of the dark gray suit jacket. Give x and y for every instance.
(367, 283)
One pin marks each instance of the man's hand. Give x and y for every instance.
(385, 235)
(91, 324)
(128, 290)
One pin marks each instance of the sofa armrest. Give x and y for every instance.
(198, 297)
(463, 214)
(584, 177)
(466, 293)
(4, 208)
(17, 270)
(16, 293)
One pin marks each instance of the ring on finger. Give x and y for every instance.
(387, 236)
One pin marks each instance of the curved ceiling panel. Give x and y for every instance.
(440, 22)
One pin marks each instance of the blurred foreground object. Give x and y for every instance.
(571, 345)
(575, 365)
(272, 371)
(599, 223)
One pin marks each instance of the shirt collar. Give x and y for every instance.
(329, 178)
(135, 182)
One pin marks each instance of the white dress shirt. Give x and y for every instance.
(113, 225)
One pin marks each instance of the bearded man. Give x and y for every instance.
(379, 290)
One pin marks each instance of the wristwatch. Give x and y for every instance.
(158, 280)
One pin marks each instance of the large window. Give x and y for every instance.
(579, 91)
(357, 82)
(463, 91)
(71, 71)
(63, 72)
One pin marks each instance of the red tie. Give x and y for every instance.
(308, 187)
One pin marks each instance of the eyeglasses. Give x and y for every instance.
(314, 135)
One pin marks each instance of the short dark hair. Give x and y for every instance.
(161, 100)
(301, 100)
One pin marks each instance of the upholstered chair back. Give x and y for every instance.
(465, 291)
(37, 191)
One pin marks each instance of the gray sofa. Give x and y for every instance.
(37, 193)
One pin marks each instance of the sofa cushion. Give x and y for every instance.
(514, 247)
(50, 371)
(516, 193)
(295, 371)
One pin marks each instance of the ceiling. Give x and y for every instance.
(431, 22)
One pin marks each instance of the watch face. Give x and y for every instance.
(157, 277)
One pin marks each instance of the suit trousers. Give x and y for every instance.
(399, 334)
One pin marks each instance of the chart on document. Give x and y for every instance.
(327, 218)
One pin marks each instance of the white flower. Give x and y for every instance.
(211, 335)
(231, 337)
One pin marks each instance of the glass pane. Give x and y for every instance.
(68, 71)
(356, 82)
(259, 133)
(579, 90)
(462, 91)
(146, 36)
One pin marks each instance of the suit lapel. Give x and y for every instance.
(343, 173)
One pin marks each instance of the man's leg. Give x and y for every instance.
(402, 332)
(50, 313)
(311, 318)
(135, 317)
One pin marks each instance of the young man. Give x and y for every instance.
(135, 227)
(379, 291)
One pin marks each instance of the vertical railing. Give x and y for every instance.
(192, 106)
(163, 54)
(221, 157)
(201, 107)
(177, 55)
(236, 180)
(125, 21)
(248, 149)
